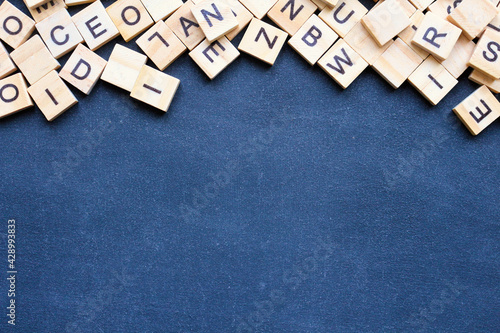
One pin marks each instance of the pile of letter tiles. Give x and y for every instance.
(430, 43)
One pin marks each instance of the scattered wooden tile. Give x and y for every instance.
(78, 2)
(14, 95)
(215, 18)
(130, 17)
(263, 41)
(52, 96)
(214, 57)
(386, 20)
(83, 69)
(330, 3)
(7, 67)
(494, 24)
(483, 79)
(421, 4)
(155, 88)
(458, 60)
(184, 25)
(34, 3)
(242, 14)
(95, 25)
(161, 45)
(478, 110)
(34, 59)
(320, 4)
(472, 16)
(45, 10)
(408, 34)
(342, 63)
(259, 8)
(397, 63)
(364, 44)
(432, 80)
(443, 8)
(290, 15)
(344, 16)
(15, 26)
(437, 36)
(486, 54)
(313, 39)
(59, 33)
(161, 9)
(123, 67)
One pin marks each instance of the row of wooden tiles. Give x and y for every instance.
(396, 60)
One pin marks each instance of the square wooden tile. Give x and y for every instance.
(263, 41)
(7, 67)
(214, 57)
(45, 10)
(421, 4)
(478, 110)
(184, 25)
(486, 54)
(342, 63)
(242, 14)
(408, 34)
(215, 18)
(83, 69)
(78, 2)
(15, 26)
(483, 79)
(344, 16)
(123, 67)
(161, 9)
(472, 16)
(290, 15)
(259, 8)
(14, 95)
(364, 44)
(130, 17)
(458, 60)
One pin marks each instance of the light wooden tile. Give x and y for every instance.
(472, 16)
(386, 21)
(364, 44)
(161, 9)
(130, 17)
(215, 18)
(184, 25)
(437, 36)
(14, 95)
(421, 4)
(242, 14)
(78, 2)
(263, 41)
(45, 10)
(408, 34)
(397, 63)
(342, 63)
(123, 67)
(483, 79)
(486, 54)
(330, 3)
(161, 45)
(344, 16)
(290, 15)
(52, 96)
(59, 33)
(259, 8)
(478, 110)
(34, 59)
(432, 80)
(34, 3)
(494, 24)
(95, 25)
(83, 69)
(443, 8)
(313, 39)
(214, 57)
(7, 67)
(15, 26)
(320, 4)
(155, 88)
(458, 60)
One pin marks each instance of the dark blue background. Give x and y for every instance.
(365, 210)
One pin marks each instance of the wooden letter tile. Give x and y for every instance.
(436, 36)
(184, 25)
(161, 9)
(458, 60)
(45, 10)
(34, 59)
(344, 16)
(487, 53)
(214, 57)
(77, 2)
(7, 67)
(342, 63)
(408, 34)
(59, 33)
(83, 69)
(386, 20)
(483, 79)
(123, 67)
(364, 44)
(421, 4)
(432, 80)
(259, 8)
(472, 16)
(215, 18)
(155, 88)
(14, 95)
(161, 45)
(15, 26)
(263, 41)
(313, 39)
(290, 15)
(478, 110)
(243, 16)
(52, 96)
(34, 3)
(95, 25)
(130, 17)
(397, 63)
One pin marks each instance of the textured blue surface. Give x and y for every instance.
(268, 200)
